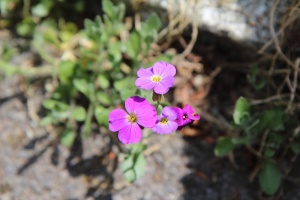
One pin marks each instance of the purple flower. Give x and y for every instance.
(139, 112)
(159, 77)
(166, 121)
(186, 115)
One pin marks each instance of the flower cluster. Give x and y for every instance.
(141, 114)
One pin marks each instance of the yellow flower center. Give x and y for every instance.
(155, 78)
(132, 118)
(164, 120)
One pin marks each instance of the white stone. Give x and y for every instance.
(241, 20)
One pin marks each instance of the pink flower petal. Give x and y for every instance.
(179, 113)
(164, 85)
(169, 113)
(164, 69)
(146, 115)
(144, 83)
(188, 109)
(168, 81)
(117, 119)
(131, 133)
(142, 72)
(165, 128)
(132, 102)
(161, 89)
(186, 121)
(195, 117)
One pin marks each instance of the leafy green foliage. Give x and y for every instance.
(133, 45)
(269, 178)
(134, 162)
(26, 27)
(253, 78)
(42, 9)
(67, 137)
(224, 146)
(93, 69)
(241, 111)
(101, 114)
(270, 130)
(78, 113)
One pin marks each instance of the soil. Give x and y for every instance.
(179, 166)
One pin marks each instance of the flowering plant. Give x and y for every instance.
(140, 113)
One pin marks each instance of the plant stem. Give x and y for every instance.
(87, 124)
(11, 70)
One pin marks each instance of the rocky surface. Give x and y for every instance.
(27, 169)
(240, 20)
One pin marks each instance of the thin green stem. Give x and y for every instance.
(88, 121)
(11, 70)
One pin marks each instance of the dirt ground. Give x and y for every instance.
(176, 169)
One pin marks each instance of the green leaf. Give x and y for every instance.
(147, 94)
(60, 106)
(241, 111)
(159, 109)
(103, 81)
(125, 83)
(68, 31)
(273, 119)
(139, 165)
(114, 50)
(67, 137)
(26, 27)
(46, 121)
(151, 26)
(87, 127)
(65, 91)
(49, 104)
(130, 175)
(101, 115)
(88, 25)
(137, 148)
(127, 168)
(133, 46)
(108, 8)
(252, 78)
(40, 10)
(153, 22)
(60, 115)
(78, 113)
(66, 70)
(7, 51)
(127, 163)
(85, 87)
(269, 178)
(121, 11)
(126, 93)
(224, 146)
(103, 98)
(50, 35)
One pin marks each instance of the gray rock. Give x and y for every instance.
(240, 20)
